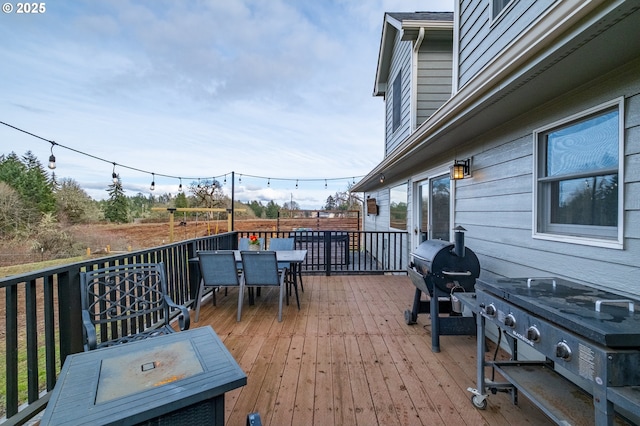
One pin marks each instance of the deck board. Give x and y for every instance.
(348, 358)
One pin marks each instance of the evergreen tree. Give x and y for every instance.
(29, 179)
(37, 186)
(272, 209)
(117, 208)
(257, 208)
(181, 201)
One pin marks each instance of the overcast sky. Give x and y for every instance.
(280, 89)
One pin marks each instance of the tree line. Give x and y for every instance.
(36, 206)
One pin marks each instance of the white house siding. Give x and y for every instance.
(434, 77)
(482, 39)
(495, 205)
(401, 61)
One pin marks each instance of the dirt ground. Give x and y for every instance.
(136, 236)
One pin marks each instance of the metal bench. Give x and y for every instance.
(126, 303)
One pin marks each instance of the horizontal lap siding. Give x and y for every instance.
(401, 61)
(496, 204)
(378, 222)
(481, 40)
(434, 77)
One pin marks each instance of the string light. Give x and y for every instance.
(114, 175)
(52, 158)
(269, 183)
(153, 182)
(325, 184)
(225, 180)
(180, 186)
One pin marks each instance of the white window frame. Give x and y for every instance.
(396, 102)
(538, 215)
(406, 200)
(497, 11)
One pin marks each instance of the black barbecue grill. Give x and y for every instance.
(439, 269)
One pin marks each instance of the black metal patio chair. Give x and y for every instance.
(125, 303)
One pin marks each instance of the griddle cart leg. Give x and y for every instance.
(478, 397)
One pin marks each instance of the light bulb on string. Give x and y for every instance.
(296, 183)
(180, 186)
(114, 175)
(240, 179)
(325, 184)
(269, 182)
(52, 158)
(225, 180)
(153, 182)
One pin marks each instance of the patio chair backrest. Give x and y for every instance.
(260, 268)
(124, 292)
(218, 268)
(281, 244)
(126, 302)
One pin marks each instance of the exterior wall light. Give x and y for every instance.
(381, 178)
(460, 169)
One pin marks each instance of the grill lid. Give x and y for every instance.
(439, 264)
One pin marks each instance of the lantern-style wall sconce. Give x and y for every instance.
(460, 169)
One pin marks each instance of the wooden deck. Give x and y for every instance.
(348, 358)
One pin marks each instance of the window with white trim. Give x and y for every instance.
(398, 207)
(579, 164)
(397, 101)
(497, 6)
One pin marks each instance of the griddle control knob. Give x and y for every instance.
(510, 321)
(563, 351)
(490, 310)
(533, 334)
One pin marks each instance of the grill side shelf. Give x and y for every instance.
(548, 391)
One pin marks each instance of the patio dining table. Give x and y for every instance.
(295, 257)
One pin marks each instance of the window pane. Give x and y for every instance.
(398, 207)
(589, 145)
(397, 100)
(440, 206)
(585, 201)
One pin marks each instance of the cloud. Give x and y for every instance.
(278, 88)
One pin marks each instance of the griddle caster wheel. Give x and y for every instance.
(477, 399)
(409, 318)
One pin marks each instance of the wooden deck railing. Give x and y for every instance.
(40, 311)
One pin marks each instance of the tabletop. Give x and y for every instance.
(148, 379)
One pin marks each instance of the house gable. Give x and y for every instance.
(414, 70)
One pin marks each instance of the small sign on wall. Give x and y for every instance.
(372, 207)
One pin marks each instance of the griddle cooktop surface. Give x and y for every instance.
(573, 306)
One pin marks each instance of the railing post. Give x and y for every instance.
(327, 252)
(69, 312)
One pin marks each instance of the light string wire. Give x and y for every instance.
(54, 143)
